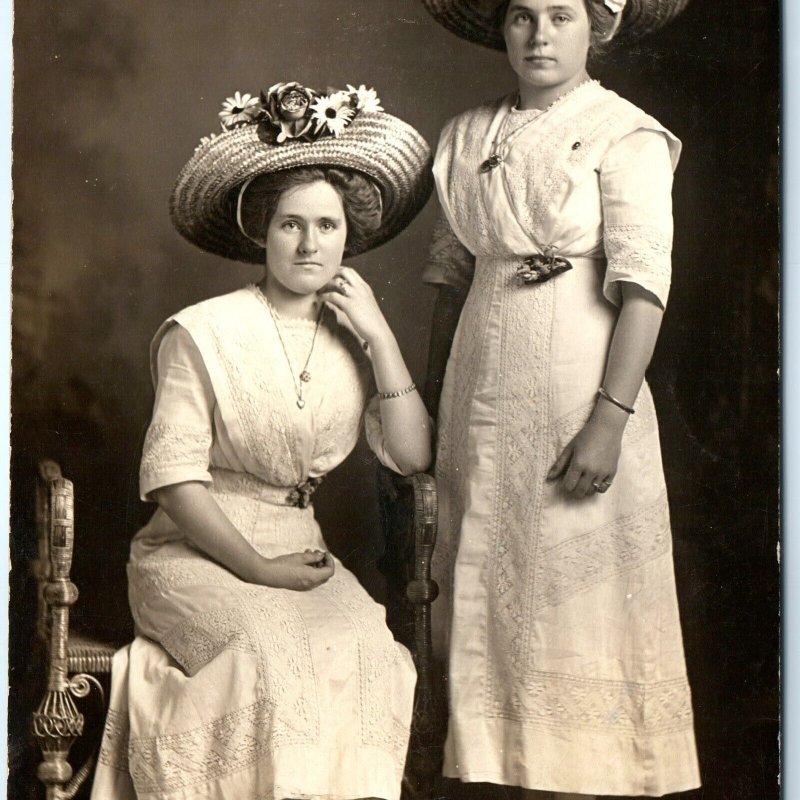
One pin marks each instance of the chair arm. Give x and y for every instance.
(421, 589)
(409, 512)
(57, 721)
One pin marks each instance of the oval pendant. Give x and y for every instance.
(300, 402)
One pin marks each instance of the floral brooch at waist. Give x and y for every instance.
(290, 111)
(541, 267)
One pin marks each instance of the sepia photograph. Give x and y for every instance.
(395, 400)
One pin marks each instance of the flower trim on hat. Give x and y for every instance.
(291, 111)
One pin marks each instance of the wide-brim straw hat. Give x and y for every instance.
(381, 146)
(476, 20)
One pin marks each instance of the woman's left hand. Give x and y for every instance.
(588, 463)
(349, 292)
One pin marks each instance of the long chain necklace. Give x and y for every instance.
(305, 375)
(496, 157)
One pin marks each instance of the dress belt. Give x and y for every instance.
(299, 496)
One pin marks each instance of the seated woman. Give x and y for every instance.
(261, 668)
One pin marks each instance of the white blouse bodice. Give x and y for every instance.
(226, 396)
(589, 176)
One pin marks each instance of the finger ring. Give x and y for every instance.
(598, 486)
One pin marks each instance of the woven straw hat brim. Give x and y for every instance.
(474, 20)
(379, 145)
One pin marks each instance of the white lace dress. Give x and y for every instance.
(566, 659)
(233, 690)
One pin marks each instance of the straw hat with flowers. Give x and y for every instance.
(287, 126)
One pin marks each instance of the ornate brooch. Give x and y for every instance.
(541, 267)
(300, 496)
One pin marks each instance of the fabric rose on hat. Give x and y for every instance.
(287, 107)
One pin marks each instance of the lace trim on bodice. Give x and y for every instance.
(556, 151)
(168, 446)
(256, 394)
(285, 322)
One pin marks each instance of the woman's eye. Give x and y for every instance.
(560, 19)
(289, 225)
(521, 17)
(328, 226)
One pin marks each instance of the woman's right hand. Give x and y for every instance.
(350, 293)
(298, 571)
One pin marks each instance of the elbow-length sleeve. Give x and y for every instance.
(636, 188)
(178, 441)
(449, 262)
(373, 428)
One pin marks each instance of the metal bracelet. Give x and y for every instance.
(618, 403)
(390, 395)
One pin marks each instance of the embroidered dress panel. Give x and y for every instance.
(232, 689)
(566, 668)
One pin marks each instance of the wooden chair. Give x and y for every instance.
(77, 664)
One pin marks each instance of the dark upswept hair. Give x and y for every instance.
(360, 195)
(601, 20)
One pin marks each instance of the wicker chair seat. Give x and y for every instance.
(86, 654)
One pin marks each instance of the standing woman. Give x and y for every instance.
(566, 665)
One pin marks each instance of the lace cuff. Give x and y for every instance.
(449, 262)
(639, 254)
(173, 454)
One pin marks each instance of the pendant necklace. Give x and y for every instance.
(305, 375)
(496, 158)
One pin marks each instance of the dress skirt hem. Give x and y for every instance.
(541, 759)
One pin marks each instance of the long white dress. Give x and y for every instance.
(566, 658)
(232, 690)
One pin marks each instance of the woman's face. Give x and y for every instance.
(548, 43)
(306, 238)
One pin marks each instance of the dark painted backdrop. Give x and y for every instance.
(110, 100)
